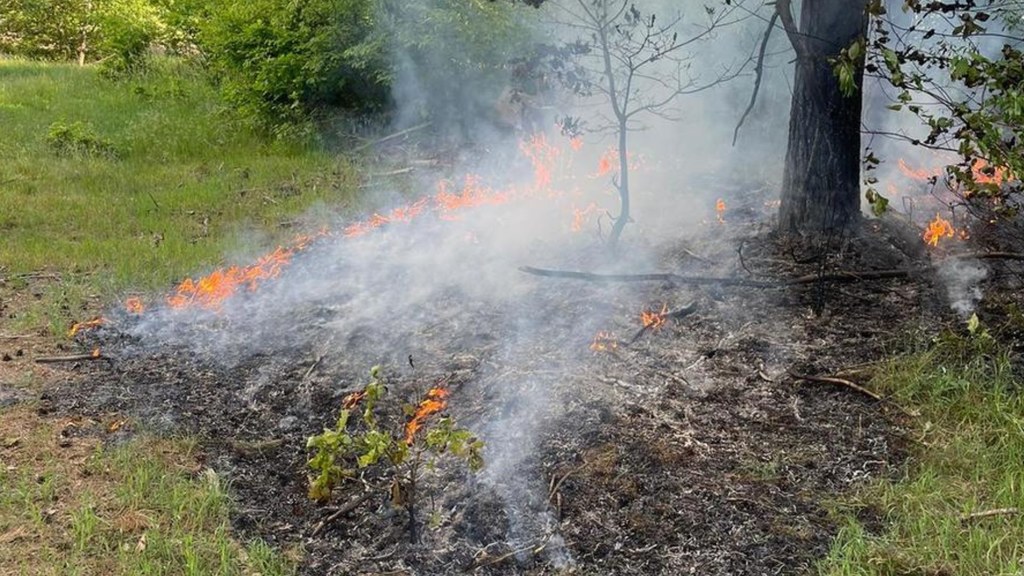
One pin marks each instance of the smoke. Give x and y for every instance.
(962, 279)
(443, 286)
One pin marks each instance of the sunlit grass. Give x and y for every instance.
(187, 187)
(133, 509)
(967, 457)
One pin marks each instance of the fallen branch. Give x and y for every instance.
(14, 336)
(352, 505)
(390, 137)
(989, 513)
(841, 276)
(70, 358)
(838, 381)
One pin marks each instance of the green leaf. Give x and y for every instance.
(973, 324)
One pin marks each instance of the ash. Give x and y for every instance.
(688, 451)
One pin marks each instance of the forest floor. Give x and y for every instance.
(696, 449)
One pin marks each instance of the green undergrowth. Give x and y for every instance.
(142, 508)
(957, 509)
(110, 187)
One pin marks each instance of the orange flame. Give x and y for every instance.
(603, 342)
(211, 291)
(79, 326)
(980, 168)
(920, 173)
(579, 216)
(938, 228)
(432, 404)
(720, 210)
(134, 305)
(576, 143)
(654, 320)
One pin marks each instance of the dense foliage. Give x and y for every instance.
(958, 67)
(279, 62)
(277, 59)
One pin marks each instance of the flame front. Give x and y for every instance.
(603, 342)
(79, 326)
(654, 320)
(211, 291)
(921, 174)
(432, 404)
(938, 228)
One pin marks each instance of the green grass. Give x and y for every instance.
(183, 184)
(967, 457)
(129, 510)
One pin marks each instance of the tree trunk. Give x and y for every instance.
(821, 181)
(623, 218)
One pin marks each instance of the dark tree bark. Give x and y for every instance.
(821, 180)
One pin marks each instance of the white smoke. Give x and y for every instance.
(962, 279)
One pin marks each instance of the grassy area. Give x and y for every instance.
(107, 189)
(115, 187)
(968, 457)
(69, 506)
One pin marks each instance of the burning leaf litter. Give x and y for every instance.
(604, 342)
(654, 320)
(88, 325)
(938, 228)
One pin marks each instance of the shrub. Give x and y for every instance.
(78, 139)
(280, 59)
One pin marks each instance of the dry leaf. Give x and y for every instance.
(141, 544)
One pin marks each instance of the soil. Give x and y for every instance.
(692, 450)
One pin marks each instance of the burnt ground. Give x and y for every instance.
(689, 451)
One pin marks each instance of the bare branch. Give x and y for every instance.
(759, 72)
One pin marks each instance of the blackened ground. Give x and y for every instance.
(690, 451)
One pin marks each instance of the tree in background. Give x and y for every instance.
(638, 67)
(117, 31)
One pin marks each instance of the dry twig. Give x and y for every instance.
(69, 358)
(1013, 511)
(838, 381)
(352, 505)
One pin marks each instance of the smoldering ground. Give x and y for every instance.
(643, 459)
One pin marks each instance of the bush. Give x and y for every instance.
(78, 139)
(280, 59)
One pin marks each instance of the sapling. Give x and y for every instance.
(399, 458)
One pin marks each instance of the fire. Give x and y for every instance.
(134, 305)
(211, 291)
(576, 143)
(920, 173)
(79, 326)
(432, 404)
(980, 169)
(96, 353)
(603, 342)
(938, 228)
(543, 156)
(607, 163)
(654, 320)
(720, 210)
(579, 216)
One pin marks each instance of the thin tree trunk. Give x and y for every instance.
(821, 180)
(623, 218)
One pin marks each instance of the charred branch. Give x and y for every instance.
(840, 276)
